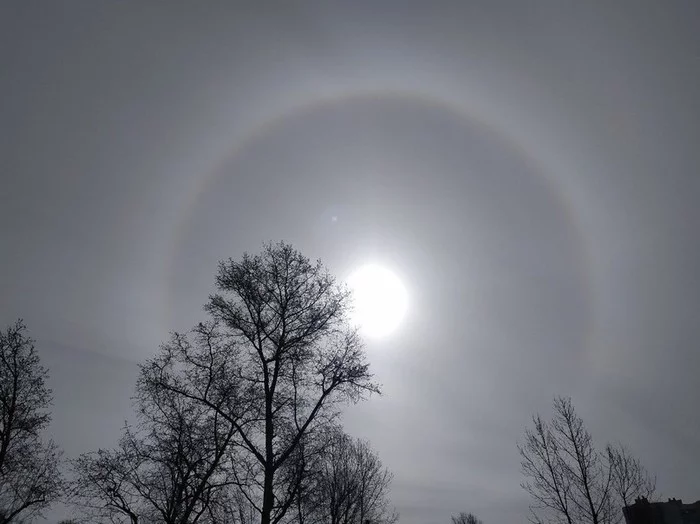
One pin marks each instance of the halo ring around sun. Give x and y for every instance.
(560, 190)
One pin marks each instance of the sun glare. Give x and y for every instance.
(380, 300)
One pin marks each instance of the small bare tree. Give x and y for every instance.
(102, 486)
(571, 481)
(466, 518)
(170, 467)
(549, 483)
(349, 484)
(29, 474)
(630, 479)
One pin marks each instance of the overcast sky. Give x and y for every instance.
(529, 169)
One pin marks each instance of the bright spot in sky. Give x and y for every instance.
(380, 300)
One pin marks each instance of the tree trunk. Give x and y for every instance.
(268, 497)
(268, 493)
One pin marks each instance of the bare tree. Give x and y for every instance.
(571, 481)
(293, 359)
(549, 482)
(242, 400)
(29, 475)
(630, 479)
(170, 467)
(299, 355)
(102, 487)
(466, 518)
(349, 485)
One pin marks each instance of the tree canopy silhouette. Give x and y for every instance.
(271, 368)
(29, 475)
(572, 482)
(466, 518)
(347, 485)
(170, 467)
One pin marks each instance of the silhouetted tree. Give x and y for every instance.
(630, 479)
(349, 484)
(291, 358)
(549, 482)
(569, 479)
(102, 487)
(170, 467)
(29, 474)
(465, 518)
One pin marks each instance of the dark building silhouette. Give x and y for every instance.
(671, 512)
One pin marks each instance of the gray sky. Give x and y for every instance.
(530, 169)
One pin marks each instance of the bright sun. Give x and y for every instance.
(380, 300)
